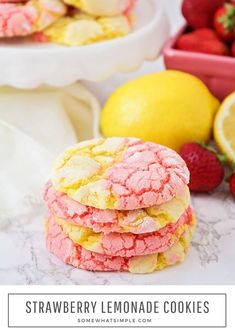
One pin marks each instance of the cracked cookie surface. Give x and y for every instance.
(135, 221)
(82, 29)
(127, 244)
(23, 19)
(73, 254)
(120, 173)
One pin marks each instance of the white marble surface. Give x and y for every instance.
(210, 261)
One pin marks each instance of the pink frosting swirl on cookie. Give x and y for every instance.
(73, 254)
(16, 21)
(23, 19)
(120, 173)
(107, 221)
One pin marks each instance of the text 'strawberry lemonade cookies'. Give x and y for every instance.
(119, 204)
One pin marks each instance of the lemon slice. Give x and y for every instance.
(224, 127)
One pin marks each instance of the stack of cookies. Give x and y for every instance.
(119, 204)
(69, 22)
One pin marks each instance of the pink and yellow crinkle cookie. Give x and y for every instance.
(138, 221)
(13, 1)
(119, 204)
(23, 19)
(83, 29)
(120, 173)
(102, 7)
(71, 253)
(127, 244)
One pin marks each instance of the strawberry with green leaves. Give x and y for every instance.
(205, 166)
(200, 13)
(224, 21)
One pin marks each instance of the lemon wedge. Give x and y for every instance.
(224, 127)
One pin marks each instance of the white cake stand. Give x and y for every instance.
(29, 65)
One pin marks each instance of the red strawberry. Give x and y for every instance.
(199, 13)
(233, 49)
(224, 22)
(40, 37)
(232, 184)
(206, 171)
(204, 41)
(206, 33)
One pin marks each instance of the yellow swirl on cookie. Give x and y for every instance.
(102, 7)
(120, 173)
(83, 29)
(127, 244)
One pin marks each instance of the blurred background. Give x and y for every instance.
(102, 90)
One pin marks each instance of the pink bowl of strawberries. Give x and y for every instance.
(205, 47)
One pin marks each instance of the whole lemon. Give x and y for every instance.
(169, 107)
